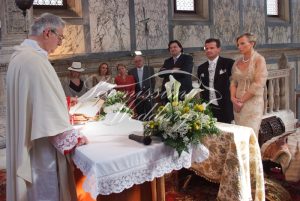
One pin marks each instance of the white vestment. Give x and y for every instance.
(36, 110)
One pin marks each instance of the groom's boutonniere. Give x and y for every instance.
(222, 71)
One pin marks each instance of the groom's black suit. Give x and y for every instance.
(224, 111)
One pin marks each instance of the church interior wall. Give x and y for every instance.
(110, 31)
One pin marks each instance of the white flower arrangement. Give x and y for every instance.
(181, 123)
(116, 103)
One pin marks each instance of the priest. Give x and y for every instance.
(39, 134)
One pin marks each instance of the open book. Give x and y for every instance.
(89, 104)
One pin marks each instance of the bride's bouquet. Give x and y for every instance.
(181, 123)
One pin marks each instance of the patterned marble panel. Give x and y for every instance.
(254, 10)
(157, 12)
(191, 35)
(279, 34)
(73, 42)
(109, 25)
(226, 20)
(296, 20)
(15, 21)
(272, 66)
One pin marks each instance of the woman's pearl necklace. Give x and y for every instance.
(245, 61)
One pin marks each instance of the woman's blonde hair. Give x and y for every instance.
(251, 37)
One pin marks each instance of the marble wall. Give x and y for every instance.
(279, 34)
(226, 21)
(296, 19)
(14, 19)
(158, 36)
(109, 25)
(105, 28)
(73, 42)
(254, 10)
(110, 29)
(191, 35)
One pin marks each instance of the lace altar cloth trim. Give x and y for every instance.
(118, 182)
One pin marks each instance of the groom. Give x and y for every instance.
(214, 75)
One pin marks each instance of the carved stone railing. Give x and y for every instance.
(276, 92)
(278, 88)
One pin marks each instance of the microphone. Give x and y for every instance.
(146, 140)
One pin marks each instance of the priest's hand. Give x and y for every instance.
(82, 140)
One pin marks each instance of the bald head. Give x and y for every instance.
(139, 61)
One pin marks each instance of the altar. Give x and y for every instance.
(113, 163)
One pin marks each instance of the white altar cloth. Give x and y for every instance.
(111, 162)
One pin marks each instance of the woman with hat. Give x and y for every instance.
(74, 86)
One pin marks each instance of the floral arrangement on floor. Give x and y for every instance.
(181, 123)
(116, 102)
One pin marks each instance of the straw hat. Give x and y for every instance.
(76, 66)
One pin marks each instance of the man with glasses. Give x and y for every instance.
(39, 133)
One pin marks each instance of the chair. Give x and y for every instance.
(269, 128)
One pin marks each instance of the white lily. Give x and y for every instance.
(172, 89)
(192, 94)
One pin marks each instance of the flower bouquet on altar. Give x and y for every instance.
(115, 109)
(181, 123)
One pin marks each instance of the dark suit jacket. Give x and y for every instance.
(148, 85)
(221, 84)
(185, 63)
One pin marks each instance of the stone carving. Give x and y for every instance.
(74, 41)
(252, 11)
(278, 73)
(283, 62)
(15, 21)
(109, 23)
(156, 11)
(279, 34)
(296, 19)
(270, 96)
(188, 34)
(276, 95)
(282, 94)
(226, 20)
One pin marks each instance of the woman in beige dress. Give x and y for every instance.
(249, 75)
